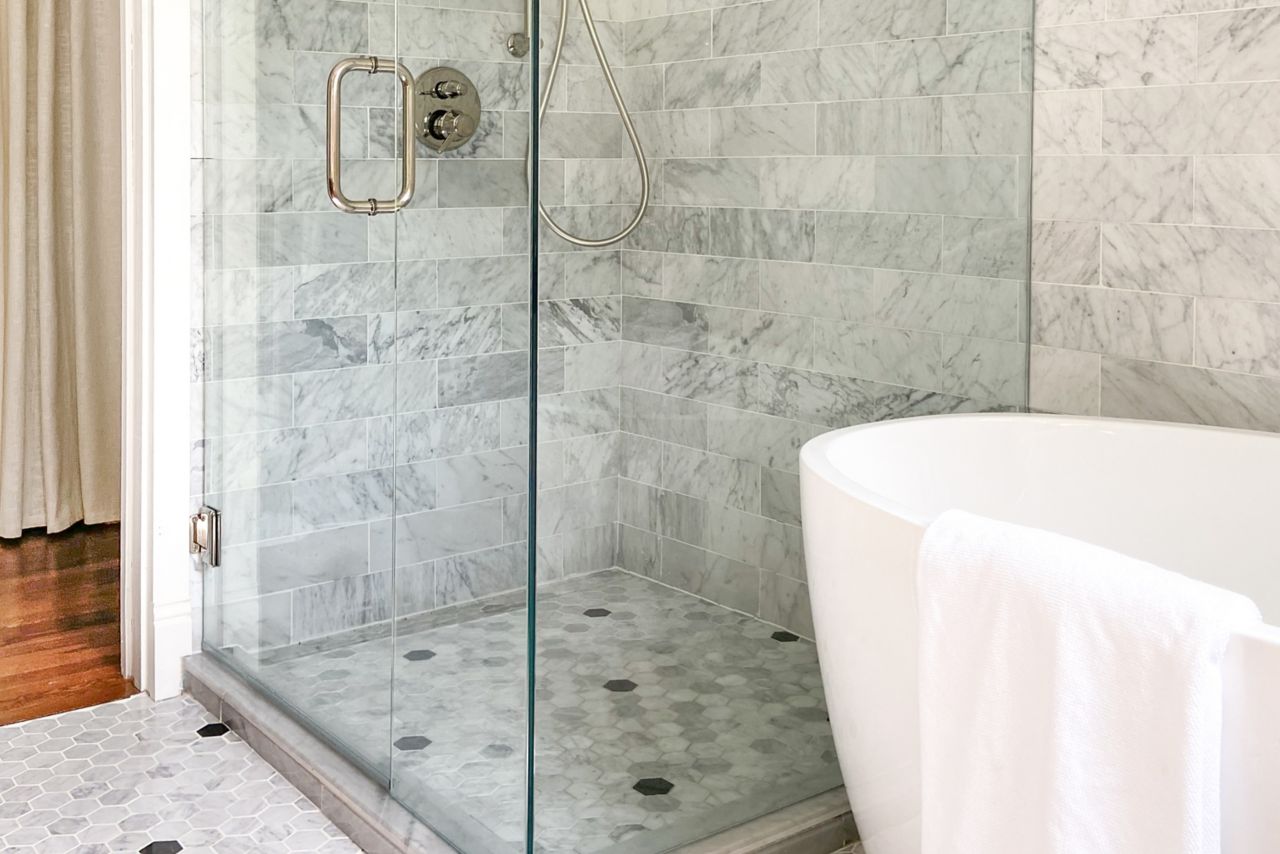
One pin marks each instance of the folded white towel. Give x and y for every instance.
(1070, 696)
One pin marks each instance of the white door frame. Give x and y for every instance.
(156, 607)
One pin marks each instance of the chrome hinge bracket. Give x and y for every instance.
(206, 535)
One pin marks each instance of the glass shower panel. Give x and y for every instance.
(298, 384)
(459, 338)
(839, 235)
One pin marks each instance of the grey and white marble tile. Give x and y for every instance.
(711, 280)
(1162, 392)
(710, 379)
(987, 125)
(664, 323)
(782, 339)
(345, 289)
(713, 477)
(448, 531)
(1240, 45)
(989, 247)
(343, 395)
(886, 126)
(466, 380)
(720, 181)
(757, 233)
(1238, 191)
(670, 419)
(1114, 189)
(278, 456)
(1119, 323)
(951, 65)
(1217, 262)
(962, 305)
(819, 183)
(1066, 252)
(449, 332)
(1065, 381)
(1140, 52)
(816, 290)
(888, 240)
(327, 502)
(880, 20)
(1234, 335)
(840, 73)
(766, 27)
(670, 38)
(956, 185)
(724, 82)
(782, 130)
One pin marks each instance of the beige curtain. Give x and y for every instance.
(60, 259)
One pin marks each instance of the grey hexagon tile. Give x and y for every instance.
(636, 681)
(134, 776)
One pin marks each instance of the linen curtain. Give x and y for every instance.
(60, 263)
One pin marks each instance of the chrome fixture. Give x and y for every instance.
(333, 135)
(206, 535)
(518, 45)
(441, 108)
(447, 108)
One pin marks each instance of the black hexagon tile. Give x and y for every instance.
(597, 612)
(785, 637)
(419, 655)
(412, 742)
(620, 685)
(161, 846)
(213, 730)
(654, 786)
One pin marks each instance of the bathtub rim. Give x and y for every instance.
(815, 460)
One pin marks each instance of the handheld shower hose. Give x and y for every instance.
(622, 114)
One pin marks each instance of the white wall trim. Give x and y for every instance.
(156, 607)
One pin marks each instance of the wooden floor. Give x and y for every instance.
(60, 622)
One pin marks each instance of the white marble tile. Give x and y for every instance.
(1146, 52)
(1239, 336)
(1065, 382)
(1217, 262)
(1240, 45)
(1238, 191)
(1114, 189)
(1117, 323)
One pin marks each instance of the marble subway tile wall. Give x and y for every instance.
(840, 236)
(1157, 200)
(353, 369)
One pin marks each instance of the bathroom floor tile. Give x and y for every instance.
(137, 776)
(661, 717)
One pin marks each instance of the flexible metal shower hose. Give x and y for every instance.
(622, 114)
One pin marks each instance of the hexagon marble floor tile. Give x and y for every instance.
(156, 778)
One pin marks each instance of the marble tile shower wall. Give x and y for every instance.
(324, 335)
(1157, 195)
(840, 237)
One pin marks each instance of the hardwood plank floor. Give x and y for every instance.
(60, 622)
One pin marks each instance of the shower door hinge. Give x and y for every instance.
(206, 535)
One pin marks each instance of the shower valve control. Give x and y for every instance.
(450, 89)
(447, 108)
(445, 124)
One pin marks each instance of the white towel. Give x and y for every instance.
(1070, 696)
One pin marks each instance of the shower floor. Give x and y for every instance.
(661, 718)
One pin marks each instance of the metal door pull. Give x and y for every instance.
(333, 135)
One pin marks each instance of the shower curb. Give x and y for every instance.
(364, 810)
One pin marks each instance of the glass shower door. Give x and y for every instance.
(364, 388)
(462, 473)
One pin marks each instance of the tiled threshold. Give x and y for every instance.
(377, 823)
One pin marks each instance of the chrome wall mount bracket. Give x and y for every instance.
(206, 535)
(446, 108)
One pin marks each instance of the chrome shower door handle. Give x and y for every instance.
(333, 135)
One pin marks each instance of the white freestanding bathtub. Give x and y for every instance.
(1200, 501)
